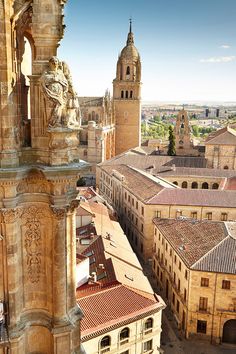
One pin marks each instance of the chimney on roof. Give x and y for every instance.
(173, 167)
(108, 236)
(94, 276)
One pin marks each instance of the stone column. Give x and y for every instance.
(59, 267)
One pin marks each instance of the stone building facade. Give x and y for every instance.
(138, 196)
(39, 169)
(97, 135)
(221, 149)
(193, 264)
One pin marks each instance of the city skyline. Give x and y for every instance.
(188, 50)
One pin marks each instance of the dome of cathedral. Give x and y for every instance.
(129, 52)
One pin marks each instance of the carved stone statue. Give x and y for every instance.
(61, 99)
(73, 110)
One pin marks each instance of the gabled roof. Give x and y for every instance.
(114, 307)
(225, 136)
(142, 184)
(195, 197)
(202, 245)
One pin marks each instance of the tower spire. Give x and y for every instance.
(130, 25)
(130, 38)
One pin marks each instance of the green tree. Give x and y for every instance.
(171, 147)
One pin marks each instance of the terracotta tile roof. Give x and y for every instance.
(226, 136)
(230, 184)
(144, 161)
(221, 259)
(84, 209)
(113, 306)
(192, 239)
(198, 172)
(197, 197)
(144, 186)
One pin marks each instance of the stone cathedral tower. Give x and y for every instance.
(127, 97)
(39, 121)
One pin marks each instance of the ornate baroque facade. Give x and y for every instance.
(39, 170)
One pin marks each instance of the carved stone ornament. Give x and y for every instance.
(58, 212)
(33, 241)
(11, 215)
(62, 104)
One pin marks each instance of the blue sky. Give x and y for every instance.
(187, 47)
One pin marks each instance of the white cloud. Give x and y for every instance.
(225, 46)
(219, 59)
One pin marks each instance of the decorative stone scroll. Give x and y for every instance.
(33, 241)
(11, 215)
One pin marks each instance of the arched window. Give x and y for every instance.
(215, 186)
(176, 183)
(105, 344)
(128, 70)
(124, 336)
(122, 94)
(126, 94)
(148, 325)
(205, 185)
(184, 184)
(97, 117)
(131, 94)
(194, 185)
(226, 167)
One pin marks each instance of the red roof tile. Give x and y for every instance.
(113, 306)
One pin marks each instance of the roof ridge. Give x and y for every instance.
(210, 251)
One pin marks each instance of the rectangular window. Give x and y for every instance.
(158, 214)
(178, 213)
(159, 237)
(203, 303)
(226, 284)
(136, 221)
(185, 294)
(128, 198)
(178, 284)
(136, 205)
(201, 326)
(166, 246)
(224, 216)
(141, 227)
(132, 201)
(125, 195)
(169, 269)
(209, 216)
(173, 299)
(194, 214)
(142, 210)
(165, 262)
(179, 265)
(177, 306)
(205, 282)
(147, 346)
(170, 252)
(175, 259)
(141, 248)
(174, 277)
(186, 274)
